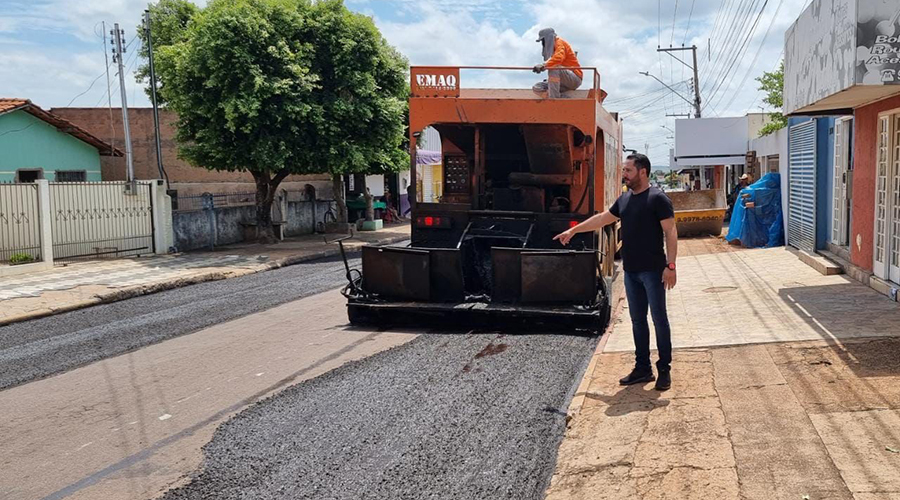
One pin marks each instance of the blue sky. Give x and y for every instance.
(53, 49)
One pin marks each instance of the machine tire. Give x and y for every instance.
(360, 316)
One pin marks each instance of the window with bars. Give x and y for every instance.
(29, 174)
(71, 176)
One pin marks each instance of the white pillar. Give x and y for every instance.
(163, 233)
(46, 223)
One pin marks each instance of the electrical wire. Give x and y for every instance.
(730, 34)
(737, 56)
(690, 15)
(755, 57)
(674, 16)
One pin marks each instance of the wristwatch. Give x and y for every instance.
(671, 266)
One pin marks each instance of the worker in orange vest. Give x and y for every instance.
(557, 53)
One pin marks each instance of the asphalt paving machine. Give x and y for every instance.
(515, 169)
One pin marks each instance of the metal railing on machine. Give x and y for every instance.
(20, 224)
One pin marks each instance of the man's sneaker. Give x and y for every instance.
(638, 376)
(664, 382)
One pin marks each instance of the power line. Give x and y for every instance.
(759, 91)
(632, 113)
(129, 62)
(714, 33)
(88, 89)
(724, 42)
(690, 15)
(738, 54)
(755, 57)
(674, 15)
(636, 96)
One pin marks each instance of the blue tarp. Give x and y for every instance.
(761, 225)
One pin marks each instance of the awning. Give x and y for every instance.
(428, 157)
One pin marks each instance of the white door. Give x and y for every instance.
(894, 195)
(887, 199)
(802, 187)
(841, 204)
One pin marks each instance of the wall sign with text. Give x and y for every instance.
(878, 43)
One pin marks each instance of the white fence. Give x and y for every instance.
(48, 221)
(20, 223)
(101, 219)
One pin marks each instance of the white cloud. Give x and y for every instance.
(620, 39)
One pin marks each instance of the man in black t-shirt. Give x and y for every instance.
(648, 219)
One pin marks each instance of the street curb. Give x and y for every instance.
(137, 291)
(582, 391)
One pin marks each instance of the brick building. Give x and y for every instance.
(184, 178)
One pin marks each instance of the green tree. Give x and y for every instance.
(280, 87)
(168, 21)
(772, 83)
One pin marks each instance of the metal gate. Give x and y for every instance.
(101, 219)
(20, 223)
(802, 190)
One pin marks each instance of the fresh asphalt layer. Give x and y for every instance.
(39, 348)
(445, 416)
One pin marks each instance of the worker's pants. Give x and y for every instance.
(559, 80)
(645, 290)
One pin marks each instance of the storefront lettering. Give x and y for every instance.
(883, 60)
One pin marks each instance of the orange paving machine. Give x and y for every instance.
(516, 168)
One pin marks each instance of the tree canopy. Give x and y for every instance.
(169, 19)
(772, 83)
(280, 87)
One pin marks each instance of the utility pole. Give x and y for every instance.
(118, 56)
(693, 49)
(112, 128)
(159, 163)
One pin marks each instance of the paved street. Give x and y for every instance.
(256, 388)
(46, 346)
(88, 283)
(139, 386)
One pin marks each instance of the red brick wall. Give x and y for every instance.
(865, 139)
(140, 120)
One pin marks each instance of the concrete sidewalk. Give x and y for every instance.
(83, 284)
(786, 385)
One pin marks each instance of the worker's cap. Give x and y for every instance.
(745, 177)
(546, 33)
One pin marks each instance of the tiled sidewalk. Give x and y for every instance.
(786, 386)
(83, 284)
(764, 295)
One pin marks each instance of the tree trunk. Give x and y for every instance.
(337, 183)
(266, 188)
(370, 206)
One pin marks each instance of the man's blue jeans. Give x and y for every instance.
(645, 289)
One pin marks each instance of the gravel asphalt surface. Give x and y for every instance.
(447, 416)
(47, 346)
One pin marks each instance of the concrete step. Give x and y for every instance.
(825, 266)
